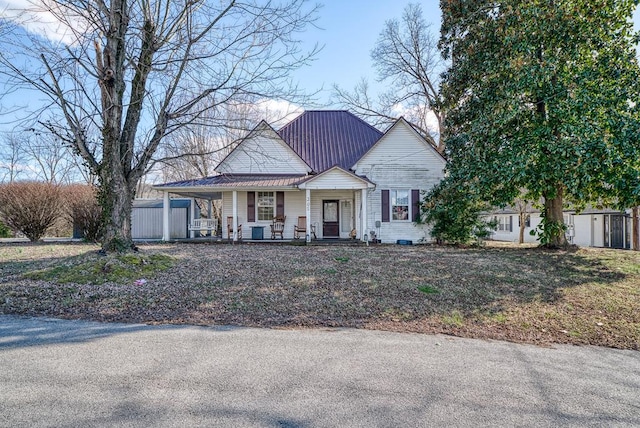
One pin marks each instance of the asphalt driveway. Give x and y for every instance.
(75, 373)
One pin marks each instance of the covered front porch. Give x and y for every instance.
(327, 206)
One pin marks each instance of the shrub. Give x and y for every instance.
(30, 207)
(455, 216)
(83, 210)
(5, 232)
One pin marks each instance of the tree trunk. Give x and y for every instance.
(554, 220)
(116, 195)
(523, 220)
(634, 228)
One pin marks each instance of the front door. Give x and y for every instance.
(330, 223)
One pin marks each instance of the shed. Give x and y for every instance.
(146, 218)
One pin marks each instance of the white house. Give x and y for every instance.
(326, 173)
(589, 228)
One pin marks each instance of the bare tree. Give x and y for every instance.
(406, 58)
(11, 158)
(49, 159)
(140, 70)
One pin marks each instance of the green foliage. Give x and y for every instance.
(543, 96)
(5, 232)
(117, 268)
(547, 230)
(454, 215)
(427, 289)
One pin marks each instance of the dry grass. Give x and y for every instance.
(513, 293)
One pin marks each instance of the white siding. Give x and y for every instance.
(317, 196)
(401, 160)
(263, 154)
(294, 206)
(583, 230)
(335, 179)
(514, 235)
(403, 151)
(598, 230)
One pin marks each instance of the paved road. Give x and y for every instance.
(72, 373)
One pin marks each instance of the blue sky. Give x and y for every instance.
(348, 30)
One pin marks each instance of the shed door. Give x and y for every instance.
(617, 231)
(330, 223)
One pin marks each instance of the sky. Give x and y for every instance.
(347, 31)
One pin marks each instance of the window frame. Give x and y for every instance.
(393, 199)
(260, 195)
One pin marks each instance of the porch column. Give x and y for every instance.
(192, 216)
(210, 211)
(363, 220)
(166, 213)
(234, 212)
(308, 214)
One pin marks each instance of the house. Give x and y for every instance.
(329, 169)
(589, 228)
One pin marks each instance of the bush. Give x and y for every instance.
(5, 232)
(454, 215)
(83, 210)
(30, 207)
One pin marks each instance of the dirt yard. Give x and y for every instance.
(506, 292)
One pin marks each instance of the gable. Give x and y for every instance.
(401, 148)
(263, 152)
(336, 178)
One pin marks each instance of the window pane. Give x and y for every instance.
(265, 205)
(399, 204)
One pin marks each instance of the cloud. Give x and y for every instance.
(277, 113)
(36, 19)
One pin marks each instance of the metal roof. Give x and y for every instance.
(158, 203)
(327, 138)
(240, 180)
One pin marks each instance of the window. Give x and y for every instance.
(527, 221)
(266, 206)
(399, 204)
(504, 223)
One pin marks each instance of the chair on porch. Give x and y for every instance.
(277, 227)
(230, 228)
(301, 228)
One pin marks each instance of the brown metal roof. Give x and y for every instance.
(240, 180)
(327, 138)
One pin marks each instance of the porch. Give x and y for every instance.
(332, 205)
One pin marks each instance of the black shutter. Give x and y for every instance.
(251, 207)
(385, 206)
(510, 223)
(279, 204)
(415, 204)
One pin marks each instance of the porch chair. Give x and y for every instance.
(230, 228)
(301, 228)
(277, 227)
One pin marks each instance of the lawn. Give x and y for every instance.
(522, 294)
